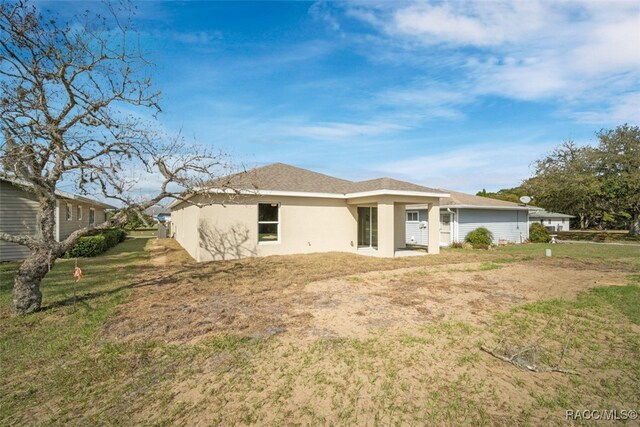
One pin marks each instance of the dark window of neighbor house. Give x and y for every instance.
(79, 213)
(268, 222)
(69, 212)
(92, 216)
(412, 216)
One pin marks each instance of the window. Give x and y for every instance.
(268, 222)
(549, 222)
(79, 213)
(412, 216)
(92, 216)
(69, 213)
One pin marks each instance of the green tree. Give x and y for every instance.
(618, 170)
(600, 185)
(566, 180)
(506, 194)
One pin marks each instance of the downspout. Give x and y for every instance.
(57, 216)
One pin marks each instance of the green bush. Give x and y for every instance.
(90, 246)
(480, 238)
(114, 236)
(538, 233)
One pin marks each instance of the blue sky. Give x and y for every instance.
(458, 95)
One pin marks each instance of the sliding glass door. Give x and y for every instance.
(368, 227)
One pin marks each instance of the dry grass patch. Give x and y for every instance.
(326, 339)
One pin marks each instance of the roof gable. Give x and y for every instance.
(282, 177)
(389, 184)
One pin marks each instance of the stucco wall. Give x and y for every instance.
(231, 231)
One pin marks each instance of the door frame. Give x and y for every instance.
(371, 228)
(450, 215)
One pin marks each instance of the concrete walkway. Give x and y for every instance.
(597, 243)
(400, 252)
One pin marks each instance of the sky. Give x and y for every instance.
(457, 95)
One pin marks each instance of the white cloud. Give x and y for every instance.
(469, 23)
(573, 53)
(320, 11)
(471, 168)
(420, 100)
(625, 109)
(339, 131)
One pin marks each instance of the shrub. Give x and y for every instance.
(114, 236)
(90, 246)
(480, 238)
(538, 233)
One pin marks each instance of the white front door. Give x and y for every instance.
(445, 229)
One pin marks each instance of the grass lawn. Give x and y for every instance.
(325, 339)
(144, 232)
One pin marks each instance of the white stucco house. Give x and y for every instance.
(553, 221)
(280, 209)
(461, 213)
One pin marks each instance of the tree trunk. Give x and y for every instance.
(26, 286)
(634, 229)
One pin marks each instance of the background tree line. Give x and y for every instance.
(599, 184)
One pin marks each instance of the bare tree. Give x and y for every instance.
(65, 89)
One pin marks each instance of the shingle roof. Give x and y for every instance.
(464, 199)
(62, 194)
(156, 210)
(457, 199)
(546, 214)
(282, 177)
(389, 184)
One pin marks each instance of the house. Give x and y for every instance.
(19, 215)
(461, 213)
(553, 221)
(280, 209)
(159, 213)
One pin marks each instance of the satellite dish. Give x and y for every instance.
(525, 199)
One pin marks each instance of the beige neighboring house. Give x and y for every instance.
(19, 215)
(282, 209)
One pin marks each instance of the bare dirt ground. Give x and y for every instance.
(338, 339)
(180, 301)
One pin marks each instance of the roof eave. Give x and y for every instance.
(317, 194)
(459, 206)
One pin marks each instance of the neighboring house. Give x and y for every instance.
(280, 209)
(19, 215)
(461, 213)
(159, 213)
(553, 221)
